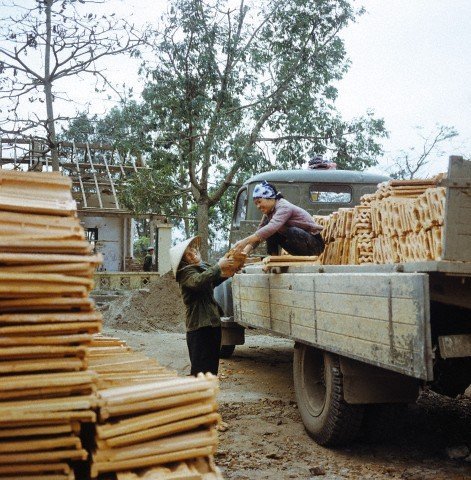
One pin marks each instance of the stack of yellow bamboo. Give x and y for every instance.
(46, 321)
(156, 423)
(401, 222)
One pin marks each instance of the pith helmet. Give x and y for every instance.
(176, 252)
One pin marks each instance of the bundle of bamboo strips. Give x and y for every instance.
(46, 321)
(156, 423)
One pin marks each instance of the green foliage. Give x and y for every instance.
(240, 90)
(236, 91)
(140, 246)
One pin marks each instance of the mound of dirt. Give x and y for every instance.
(159, 307)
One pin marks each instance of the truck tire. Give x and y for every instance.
(318, 386)
(226, 351)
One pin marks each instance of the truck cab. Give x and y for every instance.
(320, 192)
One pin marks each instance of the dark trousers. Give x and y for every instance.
(204, 345)
(295, 241)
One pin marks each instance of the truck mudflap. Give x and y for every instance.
(379, 318)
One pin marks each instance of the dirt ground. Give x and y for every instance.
(263, 436)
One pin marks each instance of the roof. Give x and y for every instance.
(314, 176)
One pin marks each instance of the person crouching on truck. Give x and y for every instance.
(283, 225)
(203, 320)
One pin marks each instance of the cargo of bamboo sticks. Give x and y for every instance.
(401, 222)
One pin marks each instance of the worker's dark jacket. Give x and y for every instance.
(197, 283)
(147, 267)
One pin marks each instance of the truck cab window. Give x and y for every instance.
(240, 212)
(322, 193)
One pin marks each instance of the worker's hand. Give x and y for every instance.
(244, 244)
(246, 251)
(227, 266)
(240, 245)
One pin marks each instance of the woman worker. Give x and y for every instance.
(283, 225)
(203, 320)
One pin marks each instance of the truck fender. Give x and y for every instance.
(223, 296)
(364, 383)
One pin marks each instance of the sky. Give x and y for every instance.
(411, 65)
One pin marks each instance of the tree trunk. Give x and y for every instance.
(51, 128)
(50, 125)
(202, 216)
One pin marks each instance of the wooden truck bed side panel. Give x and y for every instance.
(457, 227)
(379, 318)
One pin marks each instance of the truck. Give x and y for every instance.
(363, 334)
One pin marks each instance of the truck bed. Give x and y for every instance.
(380, 318)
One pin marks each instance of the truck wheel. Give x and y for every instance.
(226, 351)
(318, 385)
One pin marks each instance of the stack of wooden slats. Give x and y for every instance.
(361, 250)
(55, 370)
(156, 423)
(337, 235)
(46, 321)
(287, 260)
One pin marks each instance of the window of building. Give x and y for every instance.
(92, 236)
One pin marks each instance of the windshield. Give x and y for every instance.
(241, 208)
(323, 193)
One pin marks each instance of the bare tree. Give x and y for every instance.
(409, 163)
(47, 42)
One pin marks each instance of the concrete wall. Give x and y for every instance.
(111, 235)
(164, 242)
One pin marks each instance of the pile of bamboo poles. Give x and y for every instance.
(46, 321)
(401, 222)
(156, 423)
